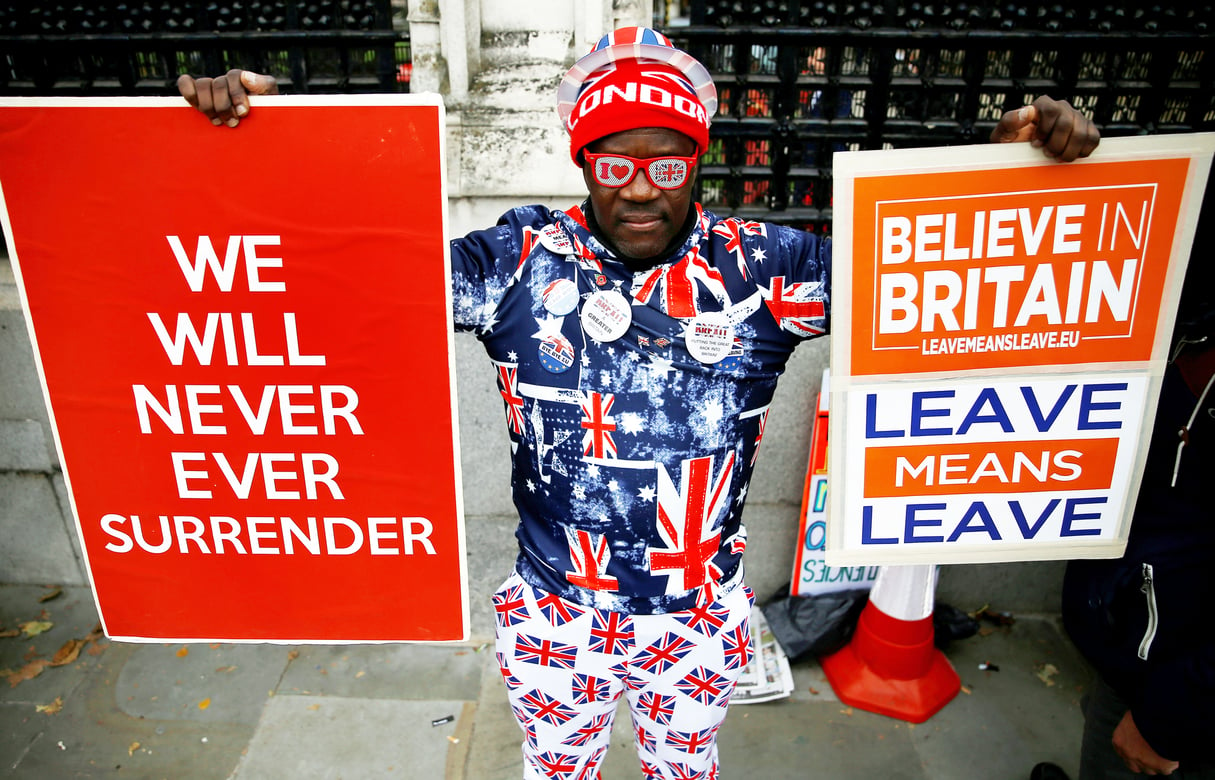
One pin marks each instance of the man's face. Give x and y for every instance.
(639, 219)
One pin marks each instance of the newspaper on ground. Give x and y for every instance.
(767, 677)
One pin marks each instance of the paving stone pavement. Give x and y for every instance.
(438, 712)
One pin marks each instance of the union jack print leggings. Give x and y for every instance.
(566, 665)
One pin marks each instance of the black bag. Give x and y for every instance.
(815, 625)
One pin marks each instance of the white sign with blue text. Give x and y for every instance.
(1001, 324)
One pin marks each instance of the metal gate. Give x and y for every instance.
(800, 80)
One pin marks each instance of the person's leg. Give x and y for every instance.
(679, 684)
(563, 696)
(1103, 709)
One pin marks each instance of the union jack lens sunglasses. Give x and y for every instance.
(617, 170)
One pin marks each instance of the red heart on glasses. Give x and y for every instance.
(620, 171)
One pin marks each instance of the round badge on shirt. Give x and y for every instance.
(606, 315)
(556, 354)
(554, 239)
(560, 297)
(709, 337)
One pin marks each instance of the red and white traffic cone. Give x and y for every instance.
(891, 666)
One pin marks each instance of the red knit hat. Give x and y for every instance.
(634, 78)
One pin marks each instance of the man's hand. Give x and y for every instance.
(225, 99)
(1136, 753)
(1053, 125)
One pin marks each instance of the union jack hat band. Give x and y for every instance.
(675, 79)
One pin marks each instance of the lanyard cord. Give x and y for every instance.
(1184, 433)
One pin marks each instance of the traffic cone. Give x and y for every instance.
(891, 666)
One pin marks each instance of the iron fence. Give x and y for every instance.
(801, 80)
(140, 48)
(798, 79)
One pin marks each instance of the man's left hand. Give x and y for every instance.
(1059, 130)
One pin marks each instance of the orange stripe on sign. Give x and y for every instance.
(990, 467)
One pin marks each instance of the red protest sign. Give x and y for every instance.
(244, 339)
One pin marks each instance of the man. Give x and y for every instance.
(637, 341)
(1142, 619)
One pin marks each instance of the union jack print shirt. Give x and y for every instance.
(636, 402)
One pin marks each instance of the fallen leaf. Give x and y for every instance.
(68, 653)
(95, 634)
(131, 750)
(359, 674)
(35, 627)
(314, 707)
(998, 618)
(965, 690)
(54, 594)
(813, 690)
(183, 652)
(10, 632)
(294, 654)
(27, 672)
(202, 705)
(225, 669)
(52, 708)
(1046, 672)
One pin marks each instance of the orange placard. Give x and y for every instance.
(812, 528)
(811, 574)
(1012, 267)
(244, 337)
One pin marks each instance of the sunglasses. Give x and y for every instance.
(617, 170)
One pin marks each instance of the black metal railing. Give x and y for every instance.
(800, 80)
(140, 48)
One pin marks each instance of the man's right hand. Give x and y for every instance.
(225, 99)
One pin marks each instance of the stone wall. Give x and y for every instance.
(38, 540)
(497, 62)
